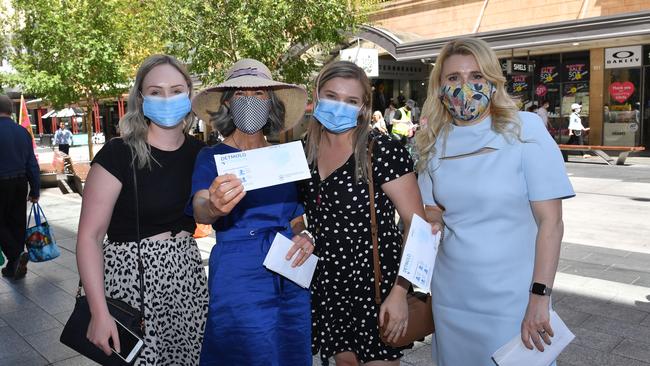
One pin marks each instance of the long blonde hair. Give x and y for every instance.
(134, 125)
(346, 70)
(503, 109)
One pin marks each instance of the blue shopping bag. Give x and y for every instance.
(39, 238)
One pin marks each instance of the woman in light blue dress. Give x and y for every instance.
(493, 178)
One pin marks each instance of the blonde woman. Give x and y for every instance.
(345, 318)
(155, 140)
(493, 179)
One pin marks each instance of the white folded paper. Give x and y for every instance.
(276, 261)
(266, 166)
(419, 254)
(514, 353)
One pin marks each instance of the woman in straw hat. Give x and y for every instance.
(337, 204)
(493, 179)
(255, 317)
(155, 140)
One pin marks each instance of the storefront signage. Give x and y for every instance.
(541, 90)
(620, 92)
(646, 55)
(576, 72)
(365, 58)
(623, 57)
(519, 84)
(548, 74)
(571, 89)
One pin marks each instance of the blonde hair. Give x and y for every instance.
(346, 70)
(134, 126)
(503, 109)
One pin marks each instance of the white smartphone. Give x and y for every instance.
(130, 344)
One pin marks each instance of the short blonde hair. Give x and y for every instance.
(503, 109)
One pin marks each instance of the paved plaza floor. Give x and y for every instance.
(602, 290)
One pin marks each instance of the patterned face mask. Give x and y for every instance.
(466, 102)
(250, 113)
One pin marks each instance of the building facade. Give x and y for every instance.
(592, 52)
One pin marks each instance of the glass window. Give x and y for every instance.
(622, 111)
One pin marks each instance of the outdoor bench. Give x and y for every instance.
(599, 151)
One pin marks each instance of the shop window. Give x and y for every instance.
(622, 111)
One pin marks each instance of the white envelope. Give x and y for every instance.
(419, 256)
(266, 166)
(276, 262)
(514, 353)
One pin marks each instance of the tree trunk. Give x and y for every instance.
(89, 126)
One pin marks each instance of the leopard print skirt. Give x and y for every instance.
(175, 295)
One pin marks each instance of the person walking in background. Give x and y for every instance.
(63, 138)
(337, 205)
(378, 122)
(542, 112)
(156, 147)
(403, 122)
(256, 317)
(18, 166)
(576, 128)
(492, 180)
(389, 113)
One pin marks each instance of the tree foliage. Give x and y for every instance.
(211, 35)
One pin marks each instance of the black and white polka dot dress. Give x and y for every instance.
(344, 313)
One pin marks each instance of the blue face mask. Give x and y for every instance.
(166, 112)
(335, 116)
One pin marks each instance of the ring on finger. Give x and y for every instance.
(542, 332)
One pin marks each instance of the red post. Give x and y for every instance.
(120, 107)
(98, 127)
(39, 114)
(53, 125)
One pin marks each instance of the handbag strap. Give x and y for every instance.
(137, 233)
(373, 226)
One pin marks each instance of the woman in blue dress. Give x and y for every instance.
(255, 316)
(493, 178)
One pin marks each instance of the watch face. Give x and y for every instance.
(538, 289)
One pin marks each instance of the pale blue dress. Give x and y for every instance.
(485, 265)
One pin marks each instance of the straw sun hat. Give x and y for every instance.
(245, 74)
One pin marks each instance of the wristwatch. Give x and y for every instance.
(540, 289)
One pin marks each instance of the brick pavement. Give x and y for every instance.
(602, 289)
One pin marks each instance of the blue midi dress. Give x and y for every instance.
(255, 317)
(484, 267)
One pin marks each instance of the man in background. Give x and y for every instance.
(18, 166)
(63, 138)
(542, 112)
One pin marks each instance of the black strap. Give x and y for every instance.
(374, 229)
(137, 233)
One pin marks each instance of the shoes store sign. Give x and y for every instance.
(620, 57)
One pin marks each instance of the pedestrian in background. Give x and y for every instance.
(155, 145)
(576, 129)
(18, 166)
(378, 122)
(63, 138)
(389, 113)
(402, 121)
(256, 317)
(337, 204)
(493, 180)
(542, 112)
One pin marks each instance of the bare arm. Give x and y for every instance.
(100, 194)
(405, 195)
(550, 229)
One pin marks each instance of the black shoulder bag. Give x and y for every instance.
(76, 328)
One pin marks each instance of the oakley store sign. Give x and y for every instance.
(620, 57)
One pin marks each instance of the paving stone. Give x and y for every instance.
(53, 272)
(75, 361)
(5, 286)
(69, 244)
(28, 357)
(47, 343)
(13, 301)
(646, 322)
(572, 318)
(33, 284)
(633, 261)
(576, 355)
(70, 285)
(67, 259)
(633, 349)
(603, 308)
(595, 340)
(30, 321)
(617, 328)
(63, 316)
(420, 356)
(13, 347)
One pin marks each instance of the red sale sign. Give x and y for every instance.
(541, 90)
(621, 91)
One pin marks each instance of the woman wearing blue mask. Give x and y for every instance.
(155, 140)
(346, 318)
(493, 179)
(256, 317)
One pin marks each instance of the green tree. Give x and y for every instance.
(211, 35)
(70, 51)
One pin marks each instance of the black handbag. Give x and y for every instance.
(76, 328)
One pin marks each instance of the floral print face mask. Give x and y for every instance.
(466, 102)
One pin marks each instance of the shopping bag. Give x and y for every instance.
(39, 238)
